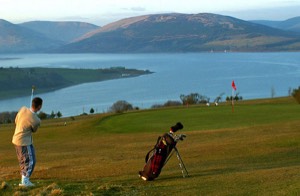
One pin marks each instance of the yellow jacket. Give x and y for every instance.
(27, 122)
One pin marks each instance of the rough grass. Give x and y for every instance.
(253, 151)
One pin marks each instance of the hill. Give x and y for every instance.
(184, 33)
(62, 31)
(151, 33)
(292, 24)
(15, 82)
(17, 39)
(253, 151)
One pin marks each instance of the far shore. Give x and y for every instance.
(8, 58)
(18, 82)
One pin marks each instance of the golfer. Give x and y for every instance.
(27, 122)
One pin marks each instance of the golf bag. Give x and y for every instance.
(157, 156)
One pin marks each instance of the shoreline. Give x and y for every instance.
(18, 82)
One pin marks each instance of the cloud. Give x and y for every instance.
(73, 18)
(140, 9)
(103, 12)
(135, 9)
(276, 13)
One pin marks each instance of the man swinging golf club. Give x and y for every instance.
(27, 122)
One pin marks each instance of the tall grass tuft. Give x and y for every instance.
(4, 186)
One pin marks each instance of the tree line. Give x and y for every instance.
(9, 117)
(123, 106)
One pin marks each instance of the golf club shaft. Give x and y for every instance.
(181, 164)
(168, 157)
(31, 97)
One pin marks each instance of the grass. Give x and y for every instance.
(253, 151)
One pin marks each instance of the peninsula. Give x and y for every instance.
(17, 82)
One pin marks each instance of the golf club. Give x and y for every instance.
(181, 164)
(32, 89)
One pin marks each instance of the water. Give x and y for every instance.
(209, 74)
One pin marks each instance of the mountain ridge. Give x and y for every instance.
(57, 30)
(291, 24)
(14, 38)
(169, 32)
(183, 33)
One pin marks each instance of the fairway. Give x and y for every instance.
(254, 150)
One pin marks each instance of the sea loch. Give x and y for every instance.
(256, 75)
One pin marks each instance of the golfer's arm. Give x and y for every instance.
(34, 128)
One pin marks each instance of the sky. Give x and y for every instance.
(102, 12)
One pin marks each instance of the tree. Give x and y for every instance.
(172, 103)
(296, 94)
(42, 115)
(190, 99)
(290, 92)
(121, 106)
(59, 114)
(52, 115)
(5, 117)
(92, 111)
(236, 97)
(169, 103)
(193, 98)
(273, 93)
(218, 98)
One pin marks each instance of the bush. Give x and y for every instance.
(236, 98)
(42, 115)
(167, 104)
(7, 117)
(121, 106)
(172, 103)
(53, 115)
(296, 94)
(193, 98)
(4, 117)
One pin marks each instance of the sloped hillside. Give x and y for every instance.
(292, 24)
(184, 33)
(14, 38)
(62, 31)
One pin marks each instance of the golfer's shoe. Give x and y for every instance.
(26, 182)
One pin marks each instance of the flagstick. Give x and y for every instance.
(232, 107)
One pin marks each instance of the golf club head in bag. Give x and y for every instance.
(157, 157)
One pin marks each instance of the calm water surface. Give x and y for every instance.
(209, 74)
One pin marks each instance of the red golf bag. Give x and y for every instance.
(156, 157)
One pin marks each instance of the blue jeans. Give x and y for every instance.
(26, 158)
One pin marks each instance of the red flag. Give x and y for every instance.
(233, 85)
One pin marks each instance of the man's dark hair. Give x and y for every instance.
(36, 102)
